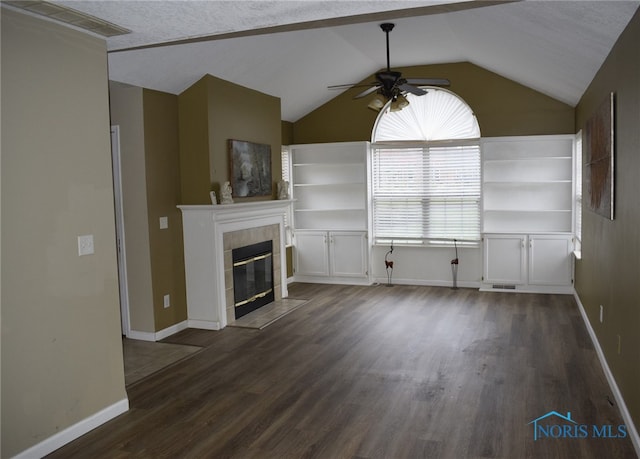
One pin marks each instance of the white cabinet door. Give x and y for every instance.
(550, 260)
(331, 256)
(348, 253)
(312, 253)
(530, 263)
(505, 259)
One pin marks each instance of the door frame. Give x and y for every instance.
(120, 239)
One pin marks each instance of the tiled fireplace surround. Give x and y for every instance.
(241, 238)
(210, 234)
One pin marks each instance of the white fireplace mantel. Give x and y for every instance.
(204, 227)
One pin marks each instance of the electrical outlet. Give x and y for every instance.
(167, 301)
(164, 223)
(85, 245)
(601, 313)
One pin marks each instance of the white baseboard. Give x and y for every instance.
(142, 336)
(427, 283)
(166, 332)
(626, 416)
(159, 335)
(75, 431)
(332, 280)
(203, 324)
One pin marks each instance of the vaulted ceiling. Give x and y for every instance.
(295, 49)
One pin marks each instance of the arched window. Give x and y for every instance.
(437, 115)
(426, 171)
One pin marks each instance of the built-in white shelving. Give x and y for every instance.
(528, 205)
(329, 186)
(527, 184)
(329, 189)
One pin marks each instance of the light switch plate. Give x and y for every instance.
(164, 223)
(167, 301)
(85, 245)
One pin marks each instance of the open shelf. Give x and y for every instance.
(527, 184)
(329, 186)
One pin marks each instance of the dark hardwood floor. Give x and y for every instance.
(375, 372)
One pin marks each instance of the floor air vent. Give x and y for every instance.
(504, 287)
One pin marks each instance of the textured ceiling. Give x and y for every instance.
(295, 49)
(162, 21)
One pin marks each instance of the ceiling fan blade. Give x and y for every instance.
(429, 81)
(366, 92)
(348, 86)
(412, 89)
(341, 86)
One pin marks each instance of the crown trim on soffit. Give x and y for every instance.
(328, 22)
(68, 16)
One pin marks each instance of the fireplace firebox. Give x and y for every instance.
(252, 277)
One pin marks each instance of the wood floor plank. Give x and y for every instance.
(374, 372)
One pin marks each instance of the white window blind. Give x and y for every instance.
(286, 163)
(426, 192)
(285, 156)
(437, 115)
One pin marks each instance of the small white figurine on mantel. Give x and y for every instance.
(226, 194)
(283, 189)
(212, 194)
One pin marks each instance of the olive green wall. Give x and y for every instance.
(502, 107)
(193, 120)
(609, 272)
(230, 112)
(163, 195)
(287, 133)
(62, 357)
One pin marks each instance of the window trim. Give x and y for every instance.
(578, 214)
(439, 119)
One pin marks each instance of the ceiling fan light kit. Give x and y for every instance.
(398, 103)
(391, 86)
(377, 102)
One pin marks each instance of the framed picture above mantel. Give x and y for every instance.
(599, 152)
(250, 168)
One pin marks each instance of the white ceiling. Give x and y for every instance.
(555, 47)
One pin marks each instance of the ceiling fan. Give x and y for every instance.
(390, 85)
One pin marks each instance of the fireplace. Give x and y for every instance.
(252, 277)
(211, 234)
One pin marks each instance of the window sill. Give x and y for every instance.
(429, 244)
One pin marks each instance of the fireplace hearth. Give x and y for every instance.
(252, 277)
